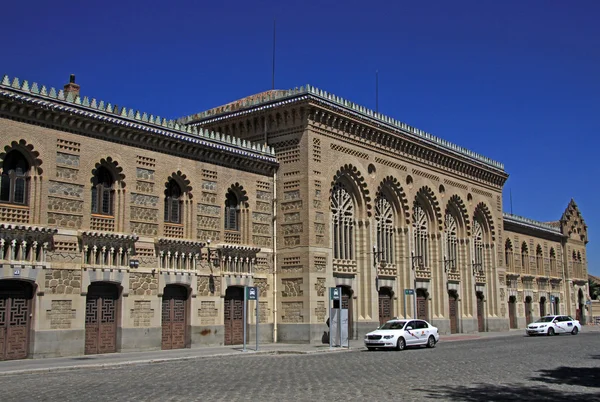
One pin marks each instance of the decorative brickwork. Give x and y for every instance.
(208, 313)
(63, 281)
(393, 165)
(144, 186)
(320, 311)
(204, 285)
(67, 173)
(144, 229)
(65, 205)
(143, 284)
(16, 215)
(264, 312)
(291, 287)
(142, 313)
(320, 287)
(292, 312)
(262, 241)
(68, 146)
(67, 159)
(143, 200)
(291, 217)
(144, 174)
(65, 189)
(212, 210)
(61, 314)
(262, 285)
(144, 214)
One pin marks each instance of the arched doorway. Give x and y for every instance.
(542, 306)
(528, 319)
(386, 311)
(580, 307)
(512, 312)
(480, 312)
(101, 309)
(15, 308)
(453, 303)
(174, 317)
(422, 307)
(234, 315)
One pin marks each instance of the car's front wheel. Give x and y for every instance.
(575, 331)
(431, 342)
(550, 331)
(401, 344)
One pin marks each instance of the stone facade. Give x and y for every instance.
(338, 196)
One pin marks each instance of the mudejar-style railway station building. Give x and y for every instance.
(121, 230)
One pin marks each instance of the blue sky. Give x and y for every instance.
(517, 81)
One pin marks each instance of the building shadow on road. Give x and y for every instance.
(578, 376)
(497, 393)
(583, 377)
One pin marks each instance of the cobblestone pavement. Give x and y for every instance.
(497, 369)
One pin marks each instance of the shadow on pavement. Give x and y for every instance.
(497, 393)
(579, 376)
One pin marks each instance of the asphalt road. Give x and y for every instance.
(512, 368)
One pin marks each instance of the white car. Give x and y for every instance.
(399, 334)
(554, 325)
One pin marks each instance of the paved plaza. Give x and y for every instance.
(488, 369)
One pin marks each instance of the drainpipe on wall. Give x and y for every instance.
(275, 257)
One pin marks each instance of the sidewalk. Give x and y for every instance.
(13, 367)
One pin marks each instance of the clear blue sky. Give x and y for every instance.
(517, 81)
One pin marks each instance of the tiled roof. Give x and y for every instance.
(269, 97)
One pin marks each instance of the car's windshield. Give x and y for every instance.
(393, 325)
(545, 319)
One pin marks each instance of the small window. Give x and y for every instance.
(14, 180)
(102, 192)
(232, 212)
(173, 202)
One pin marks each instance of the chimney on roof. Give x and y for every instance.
(71, 86)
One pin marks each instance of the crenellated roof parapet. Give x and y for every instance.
(185, 137)
(531, 224)
(282, 97)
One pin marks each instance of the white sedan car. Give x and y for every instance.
(399, 334)
(554, 325)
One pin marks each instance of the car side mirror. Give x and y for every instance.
(408, 328)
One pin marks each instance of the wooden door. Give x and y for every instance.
(385, 305)
(512, 312)
(542, 306)
(234, 316)
(174, 317)
(453, 304)
(528, 318)
(101, 307)
(347, 304)
(422, 307)
(480, 315)
(15, 307)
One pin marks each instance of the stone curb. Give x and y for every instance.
(168, 359)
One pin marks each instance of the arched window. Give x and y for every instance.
(173, 202)
(103, 192)
(232, 212)
(525, 258)
(508, 255)
(553, 269)
(539, 260)
(451, 233)
(342, 209)
(14, 180)
(478, 246)
(384, 217)
(421, 234)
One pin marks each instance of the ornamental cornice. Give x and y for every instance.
(32, 105)
(364, 131)
(277, 99)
